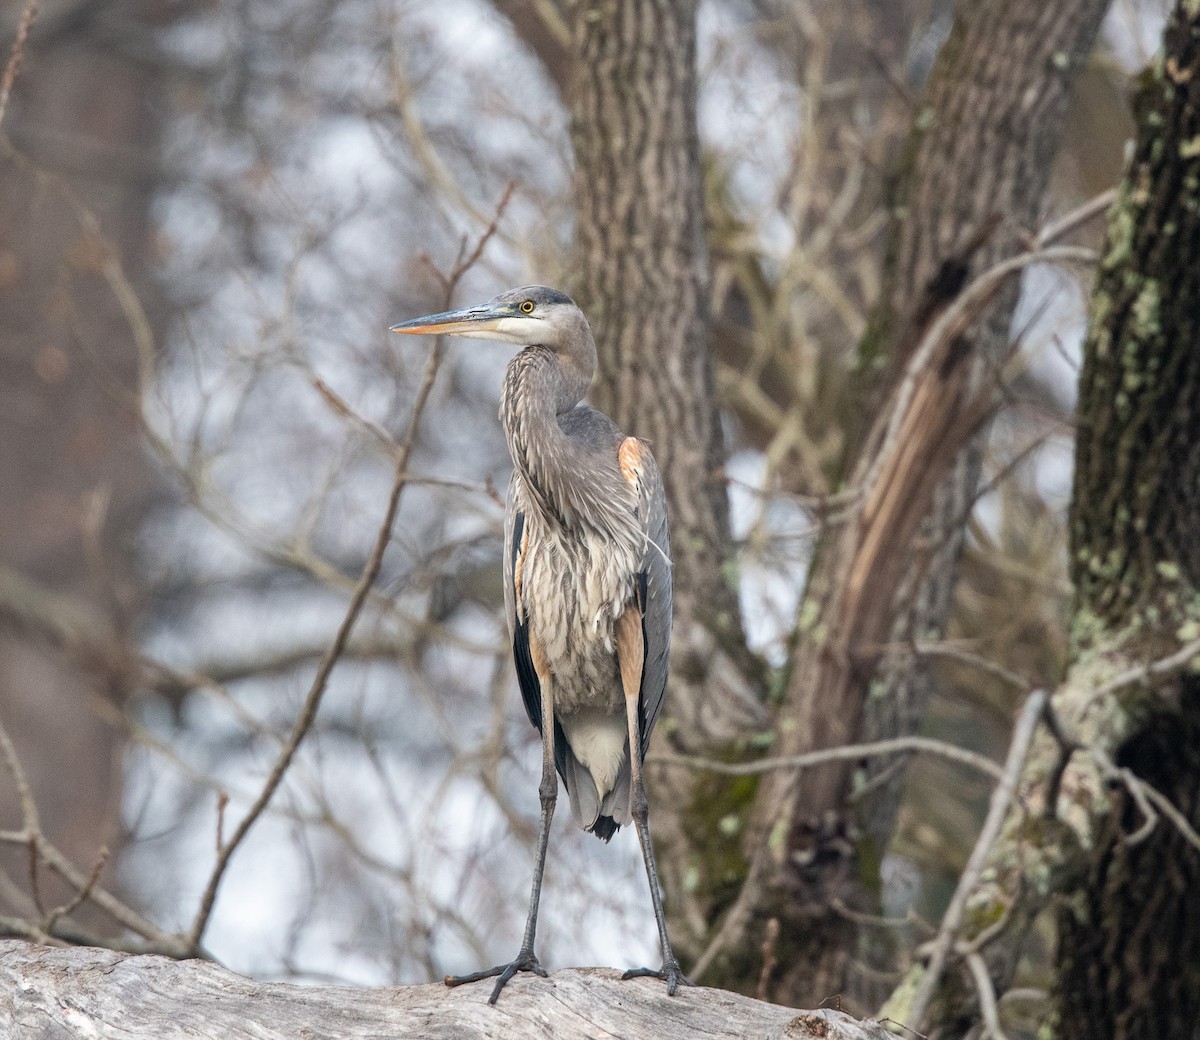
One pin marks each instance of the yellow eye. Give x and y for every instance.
(527, 306)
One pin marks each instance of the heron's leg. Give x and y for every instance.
(630, 652)
(526, 960)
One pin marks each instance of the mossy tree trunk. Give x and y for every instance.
(1088, 841)
(970, 187)
(1129, 944)
(981, 148)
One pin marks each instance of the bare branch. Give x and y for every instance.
(1164, 668)
(312, 701)
(1147, 797)
(1068, 222)
(987, 996)
(80, 896)
(41, 848)
(16, 54)
(954, 652)
(895, 745)
(997, 809)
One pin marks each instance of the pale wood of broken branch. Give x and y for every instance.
(82, 991)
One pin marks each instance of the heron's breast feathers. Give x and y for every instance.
(574, 584)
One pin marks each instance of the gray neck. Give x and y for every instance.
(539, 386)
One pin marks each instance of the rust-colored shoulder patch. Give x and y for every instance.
(518, 571)
(629, 458)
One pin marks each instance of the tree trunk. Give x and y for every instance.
(1079, 837)
(980, 151)
(1125, 945)
(75, 480)
(81, 992)
(644, 284)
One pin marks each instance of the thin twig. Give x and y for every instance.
(910, 920)
(998, 478)
(32, 834)
(882, 778)
(987, 996)
(158, 940)
(1070, 221)
(1138, 791)
(1002, 797)
(997, 928)
(391, 447)
(35, 886)
(892, 746)
(1067, 746)
(16, 54)
(343, 408)
(1163, 668)
(72, 904)
(964, 656)
(1169, 810)
(29, 813)
(1148, 799)
(769, 959)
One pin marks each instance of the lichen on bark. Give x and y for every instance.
(1083, 836)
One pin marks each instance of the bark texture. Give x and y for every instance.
(644, 283)
(1136, 494)
(48, 994)
(971, 185)
(1086, 835)
(1130, 945)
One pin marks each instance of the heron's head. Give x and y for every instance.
(533, 314)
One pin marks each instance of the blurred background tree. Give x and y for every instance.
(211, 214)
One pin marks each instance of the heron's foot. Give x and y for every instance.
(525, 961)
(670, 973)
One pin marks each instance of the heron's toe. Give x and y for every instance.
(524, 961)
(670, 973)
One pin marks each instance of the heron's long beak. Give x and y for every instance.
(464, 322)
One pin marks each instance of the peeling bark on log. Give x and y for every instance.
(58, 994)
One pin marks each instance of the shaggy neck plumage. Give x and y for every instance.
(539, 386)
(535, 394)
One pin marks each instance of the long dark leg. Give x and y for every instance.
(670, 971)
(548, 793)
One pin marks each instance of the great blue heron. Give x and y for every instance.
(587, 582)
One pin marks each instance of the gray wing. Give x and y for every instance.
(514, 529)
(515, 547)
(654, 595)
